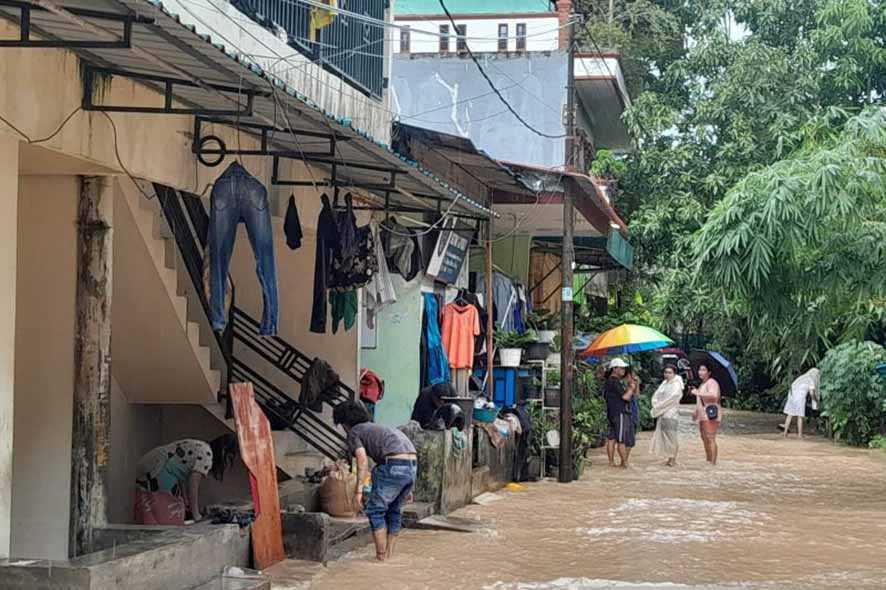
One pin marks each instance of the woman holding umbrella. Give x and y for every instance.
(708, 412)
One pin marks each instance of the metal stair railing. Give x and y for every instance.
(189, 222)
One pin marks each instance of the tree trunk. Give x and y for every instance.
(92, 364)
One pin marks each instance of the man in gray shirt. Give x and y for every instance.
(392, 477)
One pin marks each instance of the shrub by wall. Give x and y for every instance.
(853, 394)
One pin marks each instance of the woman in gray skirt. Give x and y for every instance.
(666, 408)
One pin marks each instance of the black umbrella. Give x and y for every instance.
(721, 369)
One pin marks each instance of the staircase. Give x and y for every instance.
(173, 229)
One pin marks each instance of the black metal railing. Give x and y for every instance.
(189, 222)
(350, 47)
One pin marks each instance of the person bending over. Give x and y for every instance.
(392, 477)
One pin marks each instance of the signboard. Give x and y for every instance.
(450, 252)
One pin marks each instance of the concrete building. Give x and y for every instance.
(126, 102)
(447, 92)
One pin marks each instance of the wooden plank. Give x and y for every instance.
(92, 364)
(257, 452)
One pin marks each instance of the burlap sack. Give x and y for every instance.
(337, 492)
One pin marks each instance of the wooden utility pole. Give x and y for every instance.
(490, 321)
(566, 259)
(92, 364)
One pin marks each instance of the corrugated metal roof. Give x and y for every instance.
(169, 48)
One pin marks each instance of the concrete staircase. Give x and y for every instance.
(188, 363)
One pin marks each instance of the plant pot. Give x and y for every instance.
(510, 357)
(552, 397)
(532, 392)
(546, 336)
(538, 351)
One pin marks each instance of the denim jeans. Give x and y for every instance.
(391, 484)
(238, 196)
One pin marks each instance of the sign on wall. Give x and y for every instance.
(450, 252)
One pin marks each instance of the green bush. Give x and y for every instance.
(853, 395)
(878, 442)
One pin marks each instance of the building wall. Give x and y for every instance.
(541, 33)
(44, 365)
(395, 358)
(456, 100)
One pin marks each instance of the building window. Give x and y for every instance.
(404, 40)
(503, 37)
(461, 44)
(444, 38)
(521, 36)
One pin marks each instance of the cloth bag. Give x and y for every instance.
(337, 491)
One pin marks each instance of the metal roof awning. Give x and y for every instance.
(218, 85)
(548, 187)
(459, 155)
(612, 252)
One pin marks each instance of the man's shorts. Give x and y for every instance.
(622, 430)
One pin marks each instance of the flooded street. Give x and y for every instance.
(774, 513)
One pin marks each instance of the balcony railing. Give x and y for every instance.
(350, 47)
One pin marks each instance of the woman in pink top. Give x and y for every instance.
(707, 394)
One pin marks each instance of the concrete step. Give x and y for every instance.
(416, 511)
(237, 579)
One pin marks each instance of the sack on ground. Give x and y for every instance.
(337, 491)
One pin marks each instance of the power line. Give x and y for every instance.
(492, 85)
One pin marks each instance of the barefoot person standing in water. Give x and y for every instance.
(618, 412)
(708, 412)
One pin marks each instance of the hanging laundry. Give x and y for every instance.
(292, 226)
(372, 387)
(355, 268)
(380, 290)
(344, 309)
(483, 316)
(318, 385)
(504, 298)
(438, 365)
(461, 324)
(321, 18)
(237, 196)
(327, 245)
(402, 249)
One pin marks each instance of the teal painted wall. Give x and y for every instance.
(396, 356)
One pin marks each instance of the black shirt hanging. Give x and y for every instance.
(292, 226)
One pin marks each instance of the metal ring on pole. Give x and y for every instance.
(221, 147)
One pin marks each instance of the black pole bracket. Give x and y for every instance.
(25, 26)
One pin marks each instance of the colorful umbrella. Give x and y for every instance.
(626, 339)
(721, 369)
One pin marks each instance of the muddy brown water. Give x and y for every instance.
(774, 513)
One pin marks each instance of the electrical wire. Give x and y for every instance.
(492, 85)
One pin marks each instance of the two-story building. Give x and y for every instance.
(118, 116)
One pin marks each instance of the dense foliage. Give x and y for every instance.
(755, 195)
(853, 394)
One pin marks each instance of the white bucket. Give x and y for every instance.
(510, 357)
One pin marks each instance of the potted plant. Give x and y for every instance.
(588, 427)
(533, 389)
(545, 324)
(552, 389)
(510, 347)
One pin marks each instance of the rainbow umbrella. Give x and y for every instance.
(626, 339)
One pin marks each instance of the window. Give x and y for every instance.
(404, 40)
(444, 38)
(521, 36)
(461, 44)
(503, 37)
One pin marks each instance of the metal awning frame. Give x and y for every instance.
(24, 23)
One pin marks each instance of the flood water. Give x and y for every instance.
(774, 513)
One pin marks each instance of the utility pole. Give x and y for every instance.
(566, 259)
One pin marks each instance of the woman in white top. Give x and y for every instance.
(666, 407)
(806, 384)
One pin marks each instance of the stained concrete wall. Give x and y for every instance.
(396, 355)
(444, 471)
(44, 368)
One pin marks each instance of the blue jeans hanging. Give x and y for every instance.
(238, 196)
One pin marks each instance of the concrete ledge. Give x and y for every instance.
(173, 558)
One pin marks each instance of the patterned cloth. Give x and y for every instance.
(167, 468)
